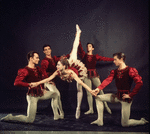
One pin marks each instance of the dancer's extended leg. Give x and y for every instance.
(31, 112)
(73, 55)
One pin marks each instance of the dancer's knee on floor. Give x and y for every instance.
(125, 123)
(30, 119)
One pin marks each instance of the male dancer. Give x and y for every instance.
(25, 76)
(124, 76)
(48, 67)
(90, 62)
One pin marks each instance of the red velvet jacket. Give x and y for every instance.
(27, 75)
(48, 65)
(90, 61)
(123, 79)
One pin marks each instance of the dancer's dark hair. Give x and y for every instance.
(89, 43)
(46, 45)
(31, 54)
(120, 55)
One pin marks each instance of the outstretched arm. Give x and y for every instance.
(74, 75)
(105, 82)
(35, 84)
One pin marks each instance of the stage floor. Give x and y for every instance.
(44, 122)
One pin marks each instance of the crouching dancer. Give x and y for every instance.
(124, 76)
(25, 76)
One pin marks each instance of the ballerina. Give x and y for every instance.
(69, 69)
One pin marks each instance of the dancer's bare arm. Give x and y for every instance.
(35, 84)
(74, 75)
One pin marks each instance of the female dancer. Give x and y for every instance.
(71, 69)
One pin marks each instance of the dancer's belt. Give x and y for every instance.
(120, 95)
(92, 73)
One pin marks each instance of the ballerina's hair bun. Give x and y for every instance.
(64, 61)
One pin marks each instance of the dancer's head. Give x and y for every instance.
(119, 58)
(33, 57)
(90, 47)
(47, 50)
(62, 63)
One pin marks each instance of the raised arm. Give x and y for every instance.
(35, 84)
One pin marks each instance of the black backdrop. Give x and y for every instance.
(111, 25)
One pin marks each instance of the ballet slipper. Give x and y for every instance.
(77, 115)
(98, 122)
(78, 29)
(89, 112)
(61, 116)
(145, 121)
(56, 117)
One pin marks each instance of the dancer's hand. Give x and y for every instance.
(96, 91)
(93, 93)
(33, 84)
(125, 96)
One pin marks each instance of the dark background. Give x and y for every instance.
(111, 25)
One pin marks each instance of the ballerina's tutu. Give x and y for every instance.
(78, 67)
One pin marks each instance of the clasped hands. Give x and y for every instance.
(95, 92)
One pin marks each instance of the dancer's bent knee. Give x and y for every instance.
(124, 123)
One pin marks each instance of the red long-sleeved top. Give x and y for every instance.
(90, 61)
(123, 79)
(27, 75)
(48, 65)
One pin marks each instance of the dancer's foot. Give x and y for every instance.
(77, 115)
(145, 121)
(98, 122)
(78, 28)
(6, 118)
(61, 116)
(89, 112)
(57, 117)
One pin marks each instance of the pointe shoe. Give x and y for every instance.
(77, 115)
(6, 118)
(89, 112)
(61, 116)
(56, 117)
(145, 121)
(98, 122)
(78, 28)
